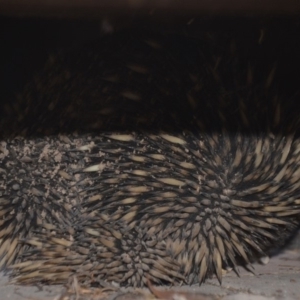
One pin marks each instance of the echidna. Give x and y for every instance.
(137, 157)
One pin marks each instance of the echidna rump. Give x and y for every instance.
(146, 157)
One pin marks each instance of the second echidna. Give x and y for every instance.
(147, 157)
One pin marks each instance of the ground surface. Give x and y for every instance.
(279, 279)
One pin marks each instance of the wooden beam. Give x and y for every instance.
(94, 8)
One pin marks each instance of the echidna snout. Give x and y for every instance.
(154, 165)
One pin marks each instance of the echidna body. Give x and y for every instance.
(137, 158)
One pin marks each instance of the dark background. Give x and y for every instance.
(26, 43)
